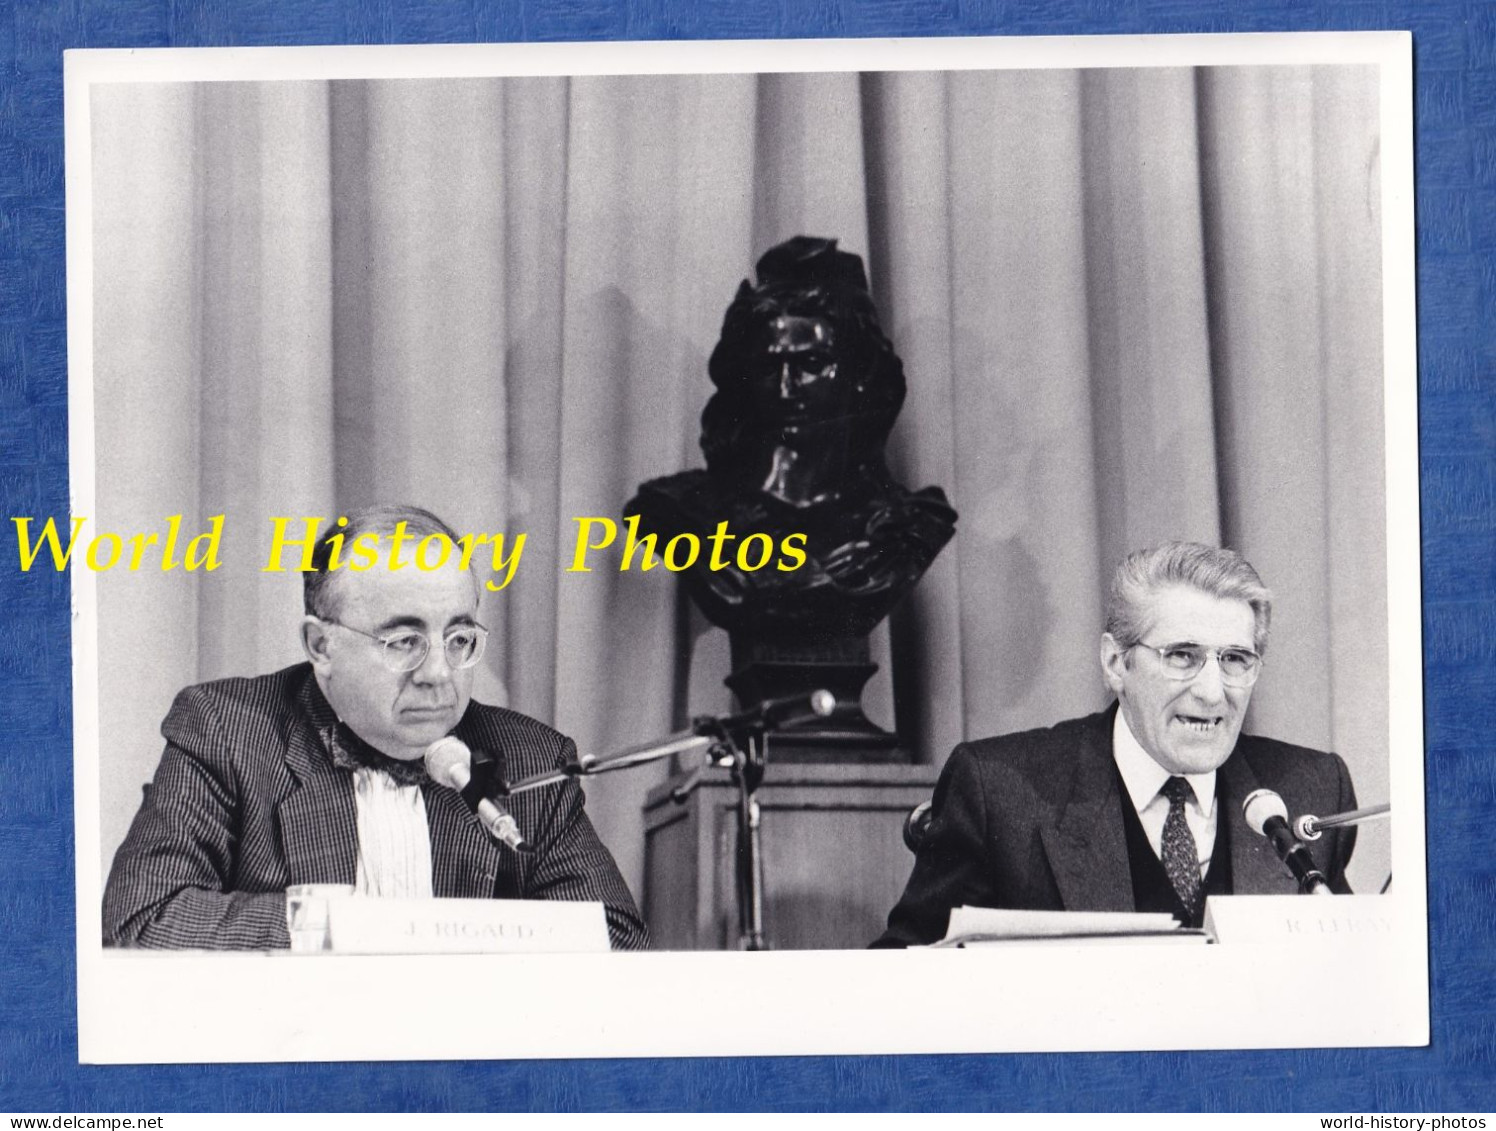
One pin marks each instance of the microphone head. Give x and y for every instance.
(1261, 806)
(822, 702)
(449, 762)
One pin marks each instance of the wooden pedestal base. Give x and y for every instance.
(833, 849)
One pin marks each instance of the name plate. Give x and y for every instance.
(365, 925)
(1296, 918)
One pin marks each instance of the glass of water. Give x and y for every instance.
(306, 914)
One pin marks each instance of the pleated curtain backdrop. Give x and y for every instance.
(1131, 304)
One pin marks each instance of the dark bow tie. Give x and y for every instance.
(350, 752)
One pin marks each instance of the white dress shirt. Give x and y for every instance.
(1145, 778)
(394, 839)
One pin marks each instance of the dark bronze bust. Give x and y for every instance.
(807, 391)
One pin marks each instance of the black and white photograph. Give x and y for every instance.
(810, 547)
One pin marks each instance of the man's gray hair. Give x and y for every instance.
(1210, 569)
(379, 519)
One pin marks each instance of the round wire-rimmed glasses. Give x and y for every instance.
(404, 650)
(1240, 667)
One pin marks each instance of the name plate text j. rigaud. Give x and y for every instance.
(361, 925)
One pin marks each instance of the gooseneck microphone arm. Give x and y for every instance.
(686, 742)
(1309, 827)
(711, 739)
(1267, 816)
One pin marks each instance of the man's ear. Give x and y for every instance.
(1113, 663)
(314, 642)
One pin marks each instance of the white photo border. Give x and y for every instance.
(136, 1007)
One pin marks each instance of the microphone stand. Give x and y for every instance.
(738, 743)
(747, 762)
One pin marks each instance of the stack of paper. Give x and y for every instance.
(971, 925)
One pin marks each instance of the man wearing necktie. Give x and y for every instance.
(314, 774)
(1137, 808)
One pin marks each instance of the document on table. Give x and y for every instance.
(977, 925)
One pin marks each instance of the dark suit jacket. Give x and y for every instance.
(247, 801)
(1034, 821)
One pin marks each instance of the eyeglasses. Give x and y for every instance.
(1240, 667)
(406, 650)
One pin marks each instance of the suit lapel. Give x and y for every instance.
(464, 858)
(1255, 867)
(465, 861)
(1087, 846)
(319, 828)
(319, 819)
(318, 822)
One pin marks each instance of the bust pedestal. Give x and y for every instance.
(765, 670)
(834, 856)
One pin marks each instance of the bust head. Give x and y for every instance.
(808, 387)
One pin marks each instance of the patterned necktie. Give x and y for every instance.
(1181, 859)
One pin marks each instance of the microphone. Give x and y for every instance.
(450, 763)
(1267, 816)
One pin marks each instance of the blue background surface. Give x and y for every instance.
(1455, 82)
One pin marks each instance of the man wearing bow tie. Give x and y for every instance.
(314, 774)
(1137, 808)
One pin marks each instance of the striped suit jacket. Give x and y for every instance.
(247, 801)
